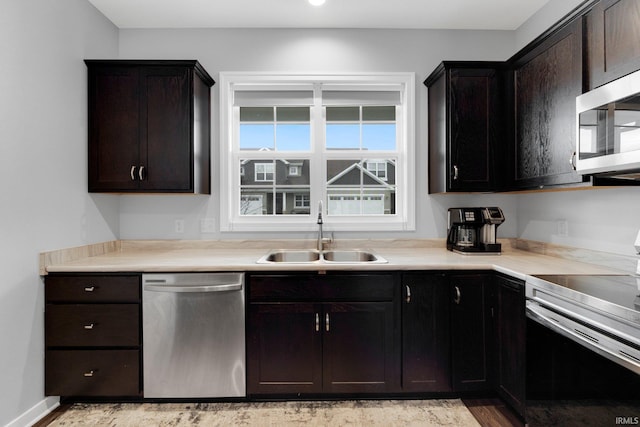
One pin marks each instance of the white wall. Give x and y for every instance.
(43, 174)
(418, 51)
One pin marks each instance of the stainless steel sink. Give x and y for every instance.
(352, 256)
(309, 256)
(293, 256)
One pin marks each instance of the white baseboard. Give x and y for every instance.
(37, 412)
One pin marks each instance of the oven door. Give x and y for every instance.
(591, 337)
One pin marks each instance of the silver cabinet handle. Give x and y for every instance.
(458, 296)
(317, 322)
(455, 172)
(408, 298)
(326, 322)
(89, 374)
(89, 326)
(89, 288)
(141, 173)
(572, 160)
(133, 173)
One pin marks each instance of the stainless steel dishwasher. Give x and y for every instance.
(193, 335)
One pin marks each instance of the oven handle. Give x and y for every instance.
(534, 312)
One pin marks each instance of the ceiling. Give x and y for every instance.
(399, 14)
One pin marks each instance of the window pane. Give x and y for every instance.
(379, 137)
(343, 136)
(293, 114)
(252, 202)
(387, 113)
(255, 137)
(256, 114)
(292, 172)
(361, 187)
(335, 114)
(293, 137)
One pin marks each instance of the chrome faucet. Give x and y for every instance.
(320, 237)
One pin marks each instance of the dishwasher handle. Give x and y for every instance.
(193, 288)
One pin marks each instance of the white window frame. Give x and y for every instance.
(403, 219)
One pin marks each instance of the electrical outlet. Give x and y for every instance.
(179, 225)
(563, 228)
(208, 225)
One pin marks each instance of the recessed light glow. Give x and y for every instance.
(316, 2)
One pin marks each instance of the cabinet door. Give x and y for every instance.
(166, 148)
(511, 341)
(547, 80)
(465, 126)
(473, 115)
(613, 41)
(113, 128)
(425, 333)
(358, 347)
(284, 354)
(471, 332)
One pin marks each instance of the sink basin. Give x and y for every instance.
(295, 256)
(313, 256)
(352, 256)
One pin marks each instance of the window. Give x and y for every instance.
(263, 172)
(288, 141)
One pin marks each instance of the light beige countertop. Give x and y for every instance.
(198, 256)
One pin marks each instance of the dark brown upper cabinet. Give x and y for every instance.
(465, 126)
(612, 38)
(149, 126)
(547, 77)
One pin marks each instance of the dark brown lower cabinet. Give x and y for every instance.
(341, 340)
(92, 335)
(358, 350)
(511, 351)
(425, 333)
(471, 332)
(284, 348)
(92, 373)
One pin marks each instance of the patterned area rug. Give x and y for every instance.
(449, 412)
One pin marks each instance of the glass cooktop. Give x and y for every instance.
(623, 290)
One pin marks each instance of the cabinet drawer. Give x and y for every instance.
(92, 288)
(357, 287)
(92, 373)
(92, 325)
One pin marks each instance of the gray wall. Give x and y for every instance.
(43, 174)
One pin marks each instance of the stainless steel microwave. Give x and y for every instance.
(608, 129)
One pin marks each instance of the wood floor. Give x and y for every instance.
(491, 412)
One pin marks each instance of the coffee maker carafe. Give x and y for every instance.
(474, 230)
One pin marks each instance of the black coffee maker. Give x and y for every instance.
(474, 230)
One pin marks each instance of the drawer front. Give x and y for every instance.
(352, 287)
(92, 373)
(92, 288)
(92, 325)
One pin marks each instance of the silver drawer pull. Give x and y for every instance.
(317, 322)
(89, 374)
(89, 288)
(90, 326)
(326, 321)
(133, 173)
